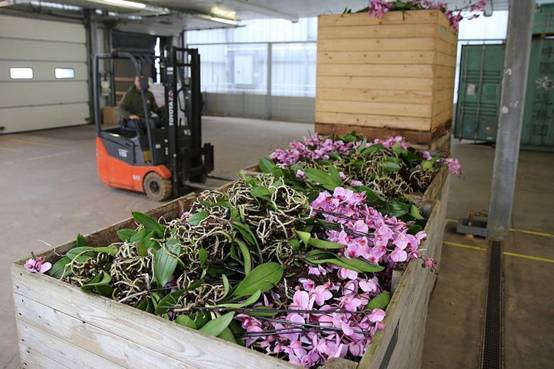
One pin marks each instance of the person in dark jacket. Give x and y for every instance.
(131, 107)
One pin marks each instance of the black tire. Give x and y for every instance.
(156, 188)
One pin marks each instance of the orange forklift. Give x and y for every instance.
(160, 155)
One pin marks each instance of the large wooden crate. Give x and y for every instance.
(61, 327)
(393, 75)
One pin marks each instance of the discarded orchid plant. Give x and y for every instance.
(387, 171)
(299, 269)
(378, 8)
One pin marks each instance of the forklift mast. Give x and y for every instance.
(190, 162)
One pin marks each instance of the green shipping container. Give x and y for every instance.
(479, 91)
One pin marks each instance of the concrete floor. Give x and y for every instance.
(51, 192)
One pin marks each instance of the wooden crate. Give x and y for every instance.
(393, 73)
(61, 327)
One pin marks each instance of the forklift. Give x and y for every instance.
(161, 156)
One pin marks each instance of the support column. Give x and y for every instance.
(514, 83)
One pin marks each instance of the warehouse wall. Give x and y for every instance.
(288, 108)
(42, 101)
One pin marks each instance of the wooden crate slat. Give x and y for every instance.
(95, 340)
(369, 94)
(411, 305)
(362, 19)
(377, 108)
(376, 31)
(376, 57)
(389, 44)
(60, 351)
(183, 344)
(359, 122)
(377, 70)
(385, 83)
(33, 359)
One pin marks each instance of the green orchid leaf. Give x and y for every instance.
(263, 278)
(169, 301)
(427, 165)
(125, 234)
(305, 237)
(197, 218)
(165, 261)
(228, 335)
(261, 192)
(99, 284)
(185, 321)
(58, 270)
(246, 258)
(149, 223)
(216, 326)
(203, 257)
(326, 245)
(249, 301)
(80, 241)
(380, 301)
(414, 212)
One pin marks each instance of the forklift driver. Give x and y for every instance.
(131, 108)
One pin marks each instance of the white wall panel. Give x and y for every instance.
(38, 29)
(22, 94)
(17, 49)
(294, 109)
(43, 101)
(43, 71)
(42, 117)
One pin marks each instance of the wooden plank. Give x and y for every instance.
(362, 19)
(408, 305)
(374, 108)
(377, 83)
(447, 34)
(442, 58)
(61, 352)
(371, 57)
(390, 44)
(371, 120)
(32, 359)
(189, 346)
(377, 70)
(95, 340)
(414, 136)
(383, 31)
(371, 95)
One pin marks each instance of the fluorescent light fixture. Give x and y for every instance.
(126, 4)
(218, 19)
(47, 4)
(223, 12)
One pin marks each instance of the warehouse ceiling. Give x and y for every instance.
(176, 15)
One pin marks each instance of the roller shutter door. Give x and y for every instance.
(43, 74)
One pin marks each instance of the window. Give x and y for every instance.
(234, 68)
(64, 73)
(21, 73)
(293, 69)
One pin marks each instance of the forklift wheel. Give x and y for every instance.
(156, 187)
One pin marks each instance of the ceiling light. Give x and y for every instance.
(126, 4)
(219, 20)
(223, 12)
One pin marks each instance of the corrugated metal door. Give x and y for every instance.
(538, 119)
(43, 74)
(479, 91)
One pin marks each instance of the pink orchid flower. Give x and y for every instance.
(377, 315)
(37, 265)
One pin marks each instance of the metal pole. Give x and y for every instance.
(269, 81)
(514, 83)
